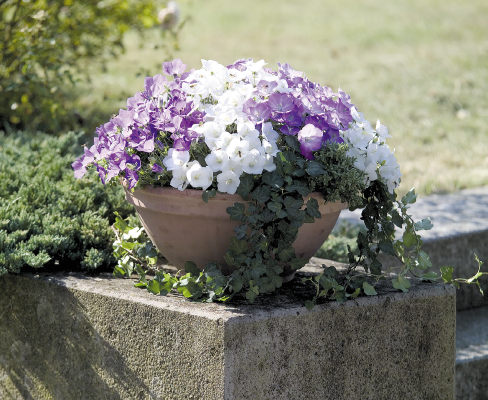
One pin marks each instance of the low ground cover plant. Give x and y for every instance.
(48, 218)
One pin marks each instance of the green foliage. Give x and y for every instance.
(46, 47)
(47, 217)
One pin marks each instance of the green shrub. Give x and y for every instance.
(47, 217)
(46, 46)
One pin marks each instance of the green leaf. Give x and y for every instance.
(375, 267)
(313, 208)
(273, 179)
(424, 261)
(430, 276)
(409, 239)
(215, 280)
(128, 245)
(142, 282)
(286, 254)
(237, 212)
(315, 169)
(189, 288)
(446, 273)
(309, 304)
(401, 283)
(300, 187)
(293, 142)
(261, 194)
(369, 289)
(297, 263)
(246, 184)
(237, 246)
(425, 224)
(291, 203)
(192, 269)
(240, 231)
(396, 218)
(236, 282)
(387, 247)
(274, 206)
(410, 197)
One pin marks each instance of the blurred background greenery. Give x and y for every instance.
(420, 66)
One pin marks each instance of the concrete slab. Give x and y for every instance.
(472, 354)
(76, 337)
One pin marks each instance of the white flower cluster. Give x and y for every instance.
(221, 92)
(373, 155)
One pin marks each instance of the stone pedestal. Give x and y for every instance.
(74, 337)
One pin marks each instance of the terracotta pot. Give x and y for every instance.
(185, 228)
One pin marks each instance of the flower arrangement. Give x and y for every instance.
(273, 137)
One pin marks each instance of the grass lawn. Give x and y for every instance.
(421, 67)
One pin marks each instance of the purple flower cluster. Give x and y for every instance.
(162, 106)
(304, 103)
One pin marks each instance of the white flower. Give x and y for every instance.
(199, 177)
(237, 149)
(382, 130)
(254, 162)
(228, 182)
(269, 165)
(224, 140)
(179, 179)
(269, 133)
(217, 160)
(176, 159)
(247, 131)
(235, 167)
(270, 147)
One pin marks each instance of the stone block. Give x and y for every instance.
(77, 337)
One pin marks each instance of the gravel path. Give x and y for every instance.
(452, 214)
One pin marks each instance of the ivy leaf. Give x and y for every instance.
(430, 276)
(189, 288)
(424, 261)
(246, 184)
(286, 254)
(409, 239)
(142, 282)
(237, 212)
(192, 269)
(274, 206)
(396, 218)
(240, 231)
(236, 282)
(215, 280)
(425, 224)
(261, 194)
(369, 289)
(266, 215)
(387, 247)
(237, 246)
(286, 167)
(298, 263)
(313, 208)
(310, 304)
(446, 273)
(375, 267)
(208, 194)
(293, 142)
(315, 169)
(300, 187)
(281, 214)
(273, 179)
(401, 283)
(410, 197)
(308, 219)
(292, 203)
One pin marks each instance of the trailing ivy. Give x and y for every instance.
(47, 217)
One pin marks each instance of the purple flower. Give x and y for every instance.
(175, 67)
(157, 169)
(79, 168)
(310, 139)
(131, 177)
(289, 130)
(280, 103)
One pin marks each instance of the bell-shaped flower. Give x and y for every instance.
(224, 140)
(269, 166)
(179, 179)
(310, 139)
(237, 149)
(176, 159)
(246, 130)
(217, 160)
(269, 133)
(382, 130)
(254, 162)
(235, 167)
(199, 177)
(228, 182)
(270, 147)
